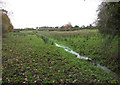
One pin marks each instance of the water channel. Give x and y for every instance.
(89, 59)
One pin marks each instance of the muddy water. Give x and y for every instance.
(89, 59)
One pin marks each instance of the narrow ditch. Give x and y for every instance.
(92, 62)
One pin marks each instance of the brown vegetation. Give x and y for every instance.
(6, 23)
(67, 26)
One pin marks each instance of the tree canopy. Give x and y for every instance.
(6, 23)
(109, 18)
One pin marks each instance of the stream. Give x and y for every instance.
(90, 60)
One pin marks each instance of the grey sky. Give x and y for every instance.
(36, 13)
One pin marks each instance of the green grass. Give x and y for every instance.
(90, 43)
(28, 59)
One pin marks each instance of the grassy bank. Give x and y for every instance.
(90, 43)
(28, 59)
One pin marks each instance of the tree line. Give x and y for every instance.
(108, 21)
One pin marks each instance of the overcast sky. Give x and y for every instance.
(37, 13)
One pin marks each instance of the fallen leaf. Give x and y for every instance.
(25, 79)
(74, 81)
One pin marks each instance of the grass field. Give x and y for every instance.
(90, 43)
(31, 56)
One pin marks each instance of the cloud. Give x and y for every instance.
(33, 13)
